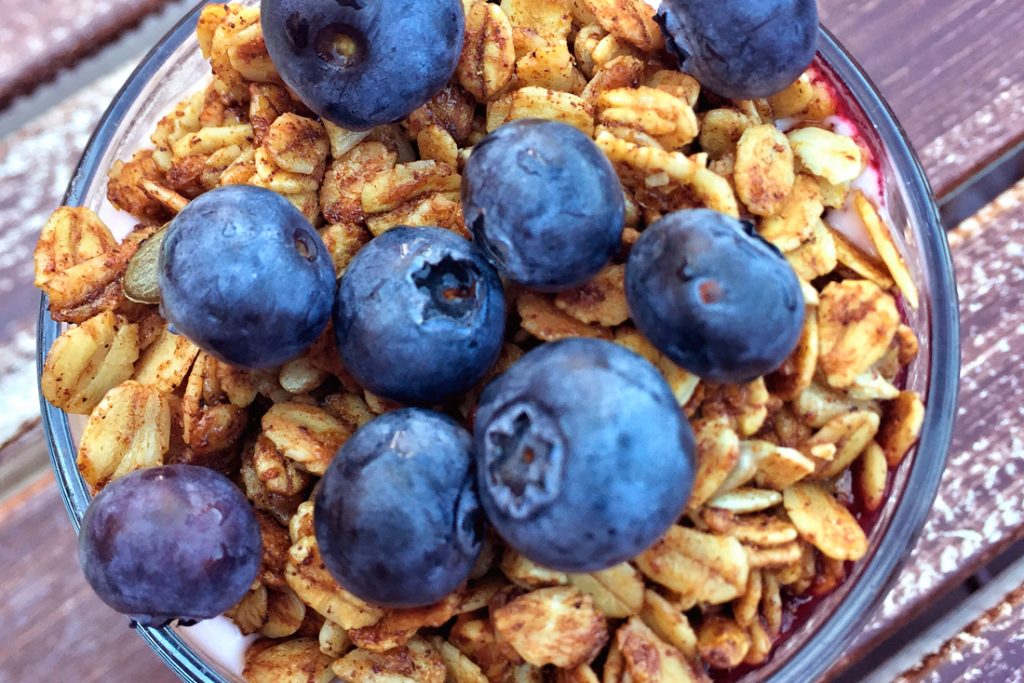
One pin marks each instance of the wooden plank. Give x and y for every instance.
(21, 460)
(978, 511)
(51, 624)
(953, 70)
(41, 38)
(991, 649)
(934, 638)
(973, 518)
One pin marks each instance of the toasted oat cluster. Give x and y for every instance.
(782, 460)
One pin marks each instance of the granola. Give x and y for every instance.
(769, 514)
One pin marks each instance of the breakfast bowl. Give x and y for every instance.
(815, 630)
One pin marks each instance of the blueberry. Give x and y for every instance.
(363, 63)
(397, 517)
(171, 542)
(741, 49)
(245, 276)
(420, 315)
(544, 203)
(583, 456)
(713, 296)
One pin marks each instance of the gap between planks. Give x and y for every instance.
(913, 658)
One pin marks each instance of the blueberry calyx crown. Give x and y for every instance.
(523, 458)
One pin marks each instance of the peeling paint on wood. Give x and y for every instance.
(990, 649)
(35, 167)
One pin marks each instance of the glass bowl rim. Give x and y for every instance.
(822, 647)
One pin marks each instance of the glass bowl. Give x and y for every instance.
(169, 72)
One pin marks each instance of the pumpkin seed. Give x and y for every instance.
(141, 278)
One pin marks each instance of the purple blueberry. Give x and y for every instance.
(742, 49)
(583, 456)
(420, 315)
(363, 63)
(246, 277)
(544, 203)
(171, 542)
(397, 517)
(714, 296)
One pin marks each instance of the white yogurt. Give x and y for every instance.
(220, 642)
(842, 126)
(846, 219)
(121, 223)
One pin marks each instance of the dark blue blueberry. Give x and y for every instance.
(172, 542)
(713, 296)
(420, 315)
(363, 63)
(544, 203)
(246, 277)
(397, 517)
(583, 456)
(741, 49)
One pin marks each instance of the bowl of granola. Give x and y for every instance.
(809, 482)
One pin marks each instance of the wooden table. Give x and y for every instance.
(953, 70)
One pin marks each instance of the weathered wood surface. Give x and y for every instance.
(51, 624)
(35, 167)
(960, 103)
(990, 649)
(953, 70)
(39, 39)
